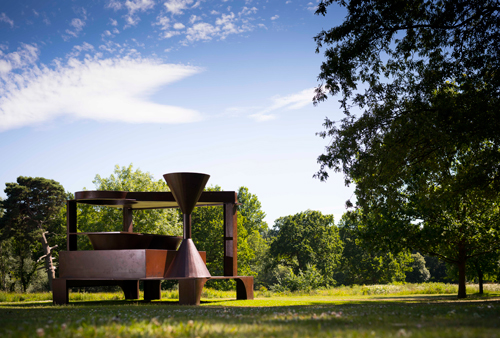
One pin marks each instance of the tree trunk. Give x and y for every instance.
(24, 285)
(49, 265)
(480, 278)
(3, 267)
(462, 260)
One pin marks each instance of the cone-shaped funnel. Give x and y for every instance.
(186, 188)
(187, 263)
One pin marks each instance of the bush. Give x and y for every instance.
(307, 280)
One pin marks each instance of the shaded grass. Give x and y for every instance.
(342, 291)
(293, 315)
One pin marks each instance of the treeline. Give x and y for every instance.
(304, 251)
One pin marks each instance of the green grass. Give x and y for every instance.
(323, 313)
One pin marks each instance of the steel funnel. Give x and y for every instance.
(187, 189)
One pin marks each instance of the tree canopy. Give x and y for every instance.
(33, 206)
(424, 152)
(307, 239)
(157, 221)
(359, 265)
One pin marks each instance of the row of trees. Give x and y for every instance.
(302, 251)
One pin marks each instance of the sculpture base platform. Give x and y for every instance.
(125, 268)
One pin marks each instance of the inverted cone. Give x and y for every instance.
(186, 188)
(187, 262)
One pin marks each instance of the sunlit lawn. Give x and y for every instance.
(318, 315)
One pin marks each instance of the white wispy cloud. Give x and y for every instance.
(114, 4)
(201, 31)
(77, 25)
(24, 56)
(177, 7)
(78, 49)
(275, 17)
(162, 21)
(138, 5)
(223, 26)
(6, 19)
(247, 11)
(290, 102)
(134, 6)
(312, 7)
(103, 90)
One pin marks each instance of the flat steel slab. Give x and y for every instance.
(116, 264)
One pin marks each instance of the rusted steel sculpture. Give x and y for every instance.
(187, 189)
(125, 258)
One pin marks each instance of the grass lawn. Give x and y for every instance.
(322, 314)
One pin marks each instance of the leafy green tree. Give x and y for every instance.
(32, 209)
(425, 150)
(437, 269)
(251, 210)
(207, 226)
(485, 267)
(359, 265)
(419, 272)
(480, 269)
(99, 218)
(307, 238)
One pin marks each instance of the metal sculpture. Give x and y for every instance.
(125, 258)
(187, 189)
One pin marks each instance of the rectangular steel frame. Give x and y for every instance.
(148, 266)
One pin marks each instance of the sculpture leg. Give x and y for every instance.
(190, 290)
(244, 288)
(60, 294)
(130, 288)
(152, 289)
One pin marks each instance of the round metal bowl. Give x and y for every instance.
(163, 242)
(119, 240)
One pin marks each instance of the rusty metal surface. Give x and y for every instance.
(230, 240)
(187, 263)
(164, 242)
(126, 265)
(119, 240)
(190, 290)
(117, 264)
(127, 221)
(157, 262)
(103, 264)
(150, 199)
(186, 188)
(71, 218)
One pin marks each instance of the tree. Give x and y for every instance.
(33, 208)
(307, 238)
(485, 267)
(419, 272)
(97, 218)
(359, 265)
(480, 269)
(437, 269)
(208, 223)
(251, 209)
(425, 151)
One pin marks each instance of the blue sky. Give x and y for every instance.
(220, 87)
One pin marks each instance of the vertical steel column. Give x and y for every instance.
(128, 223)
(230, 240)
(71, 238)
